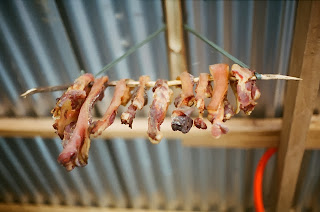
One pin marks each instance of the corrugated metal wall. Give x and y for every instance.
(48, 42)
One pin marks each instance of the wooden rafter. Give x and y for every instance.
(244, 133)
(175, 37)
(299, 99)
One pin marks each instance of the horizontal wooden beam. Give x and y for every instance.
(243, 133)
(47, 208)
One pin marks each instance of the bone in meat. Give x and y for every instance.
(121, 96)
(245, 89)
(220, 74)
(161, 99)
(69, 104)
(203, 90)
(181, 119)
(139, 99)
(75, 152)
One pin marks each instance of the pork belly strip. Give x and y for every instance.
(181, 119)
(161, 99)
(186, 98)
(218, 128)
(75, 152)
(121, 96)
(245, 89)
(220, 74)
(139, 100)
(69, 104)
(203, 90)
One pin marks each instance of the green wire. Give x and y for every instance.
(215, 46)
(186, 27)
(221, 50)
(131, 50)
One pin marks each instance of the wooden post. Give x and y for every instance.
(299, 100)
(175, 37)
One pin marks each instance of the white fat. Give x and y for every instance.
(157, 139)
(199, 103)
(228, 116)
(125, 116)
(77, 162)
(138, 104)
(257, 95)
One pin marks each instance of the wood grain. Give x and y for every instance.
(244, 133)
(175, 37)
(299, 101)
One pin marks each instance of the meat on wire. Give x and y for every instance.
(181, 119)
(162, 95)
(203, 90)
(138, 101)
(220, 74)
(68, 106)
(73, 120)
(76, 149)
(244, 88)
(121, 96)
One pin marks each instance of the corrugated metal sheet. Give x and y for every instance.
(258, 33)
(48, 43)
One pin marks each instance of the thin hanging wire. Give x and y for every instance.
(104, 69)
(131, 50)
(175, 82)
(215, 46)
(236, 60)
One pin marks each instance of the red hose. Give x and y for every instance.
(258, 177)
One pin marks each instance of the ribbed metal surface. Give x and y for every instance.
(259, 33)
(48, 42)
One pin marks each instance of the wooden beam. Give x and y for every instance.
(244, 133)
(299, 100)
(175, 37)
(48, 208)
